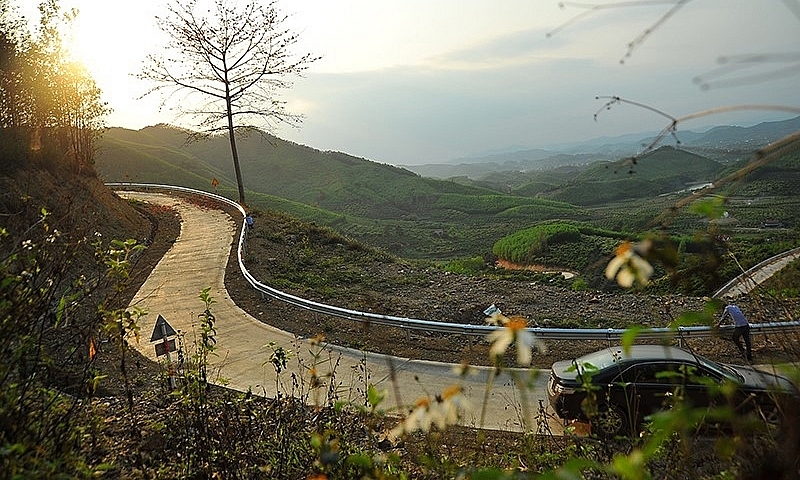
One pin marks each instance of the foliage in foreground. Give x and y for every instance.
(201, 430)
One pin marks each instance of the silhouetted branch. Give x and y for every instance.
(648, 31)
(773, 151)
(592, 8)
(793, 6)
(738, 63)
(672, 127)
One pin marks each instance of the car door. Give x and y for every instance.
(698, 384)
(645, 388)
(661, 385)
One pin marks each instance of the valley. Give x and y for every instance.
(316, 260)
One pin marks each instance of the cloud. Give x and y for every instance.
(422, 114)
(523, 88)
(417, 81)
(502, 51)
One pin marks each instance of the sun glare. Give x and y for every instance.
(111, 39)
(95, 42)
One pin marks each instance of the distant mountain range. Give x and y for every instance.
(724, 144)
(284, 171)
(415, 216)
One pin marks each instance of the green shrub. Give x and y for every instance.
(579, 285)
(465, 266)
(522, 246)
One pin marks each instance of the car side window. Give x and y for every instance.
(644, 373)
(665, 373)
(685, 374)
(626, 376)
(696, 375)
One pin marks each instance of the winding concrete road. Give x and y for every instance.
(198, 259)
(752, 278)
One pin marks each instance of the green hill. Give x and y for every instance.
(662, 171)
(416, 217)
(780, 177)
(329, 180)
(380, 204)
(126, 157)
(665, 163)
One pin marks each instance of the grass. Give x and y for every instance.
(414, 217)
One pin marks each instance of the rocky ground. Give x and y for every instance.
(418, 291)
(433, 294)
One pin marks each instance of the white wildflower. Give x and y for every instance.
(628, 266)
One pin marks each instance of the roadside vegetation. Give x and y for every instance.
(76, 401)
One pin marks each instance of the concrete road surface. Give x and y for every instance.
(751, 279)
(197, 260)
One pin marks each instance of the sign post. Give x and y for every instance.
(162, 331)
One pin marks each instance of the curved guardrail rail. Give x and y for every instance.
(748, 277)
(609, 334)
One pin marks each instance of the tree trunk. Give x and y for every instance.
(234, 152)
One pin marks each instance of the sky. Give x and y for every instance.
(426, 81)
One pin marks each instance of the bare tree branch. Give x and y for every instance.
(793, 6)
(763, 156)
(671, 129)
(235, 59)
(593, 8)
(713, 79)
(648, 31)
(788, 64)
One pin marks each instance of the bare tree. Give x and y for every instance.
(228, 63)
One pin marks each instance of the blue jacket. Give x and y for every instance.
(739, 320)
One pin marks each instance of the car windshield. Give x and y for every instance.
(602, 359)
(722, 369)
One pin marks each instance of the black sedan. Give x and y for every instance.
(616, 390)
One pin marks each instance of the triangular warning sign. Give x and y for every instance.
(162, 330)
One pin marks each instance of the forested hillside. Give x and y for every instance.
(664, 170)
(330, 180)
(379, 204)
(417, 217)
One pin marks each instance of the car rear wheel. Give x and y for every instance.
(609, 421)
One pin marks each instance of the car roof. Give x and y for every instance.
(615, 355)
(651, 352)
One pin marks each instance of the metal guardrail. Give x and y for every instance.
(609, 334)
(747, 276)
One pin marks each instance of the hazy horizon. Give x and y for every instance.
(413, 82)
